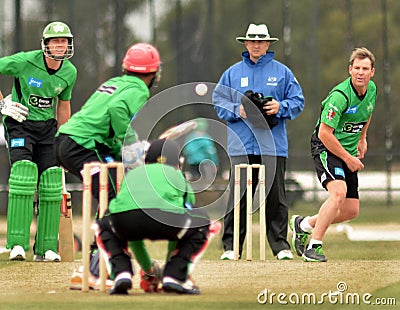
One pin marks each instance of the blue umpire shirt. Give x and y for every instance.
(271, 78)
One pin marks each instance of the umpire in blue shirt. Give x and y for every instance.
(255, 97)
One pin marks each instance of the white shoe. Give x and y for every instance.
(284, 255)
(49, 256)
(171, 285)
(17, 253)
(122, 283)
(228, 255)
(94, 283)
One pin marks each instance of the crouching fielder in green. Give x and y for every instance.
(155, 203)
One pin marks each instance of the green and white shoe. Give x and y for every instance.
(299, 237)
(314, 254)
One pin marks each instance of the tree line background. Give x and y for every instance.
(196, 40)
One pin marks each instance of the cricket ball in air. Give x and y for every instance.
(201, 89)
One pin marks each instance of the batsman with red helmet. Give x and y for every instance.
(97, 131)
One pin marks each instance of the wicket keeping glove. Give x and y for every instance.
(13, 109)
(253, 104)
(133, 155)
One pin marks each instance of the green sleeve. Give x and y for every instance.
(141, 254)
(121, 113)
(190, 196)
(332, 109)
(11, 65)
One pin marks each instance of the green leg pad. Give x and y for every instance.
(48, 220)
(142, 256)
(22, 187)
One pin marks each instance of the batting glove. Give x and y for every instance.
(13, 109)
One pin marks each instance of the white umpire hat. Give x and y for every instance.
(257, 33)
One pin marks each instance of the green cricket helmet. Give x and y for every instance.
(57, 30)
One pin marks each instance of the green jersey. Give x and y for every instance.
(155, 186)
(36, 86)
(106, 116)
(347, 113)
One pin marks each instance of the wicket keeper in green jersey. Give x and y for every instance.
(155, 203)
(43, 85)
(338, 145)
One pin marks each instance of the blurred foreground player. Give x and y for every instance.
(155, 202)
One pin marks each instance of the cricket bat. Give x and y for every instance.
(65, 232)
(178, 131)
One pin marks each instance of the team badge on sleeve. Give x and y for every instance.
(331, 114)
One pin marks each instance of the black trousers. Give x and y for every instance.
(72, 156)
(190, 230)
(31, 140)
(276, 205)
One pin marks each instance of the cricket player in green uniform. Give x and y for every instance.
(39, 102)
(156, 203)
(338, 145)
(97, 131)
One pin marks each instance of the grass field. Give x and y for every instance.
(359, 269)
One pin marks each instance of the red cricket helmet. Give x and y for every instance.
(142, 58)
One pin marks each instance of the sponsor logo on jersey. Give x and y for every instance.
(351, 110)
(40, 102)
(331, 114)
(332, 106)
(271, 81)
(353, 127)
(107, 89)
(35, 82)
(17, 142)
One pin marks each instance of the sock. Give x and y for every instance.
(314, 242)
(305, 225)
